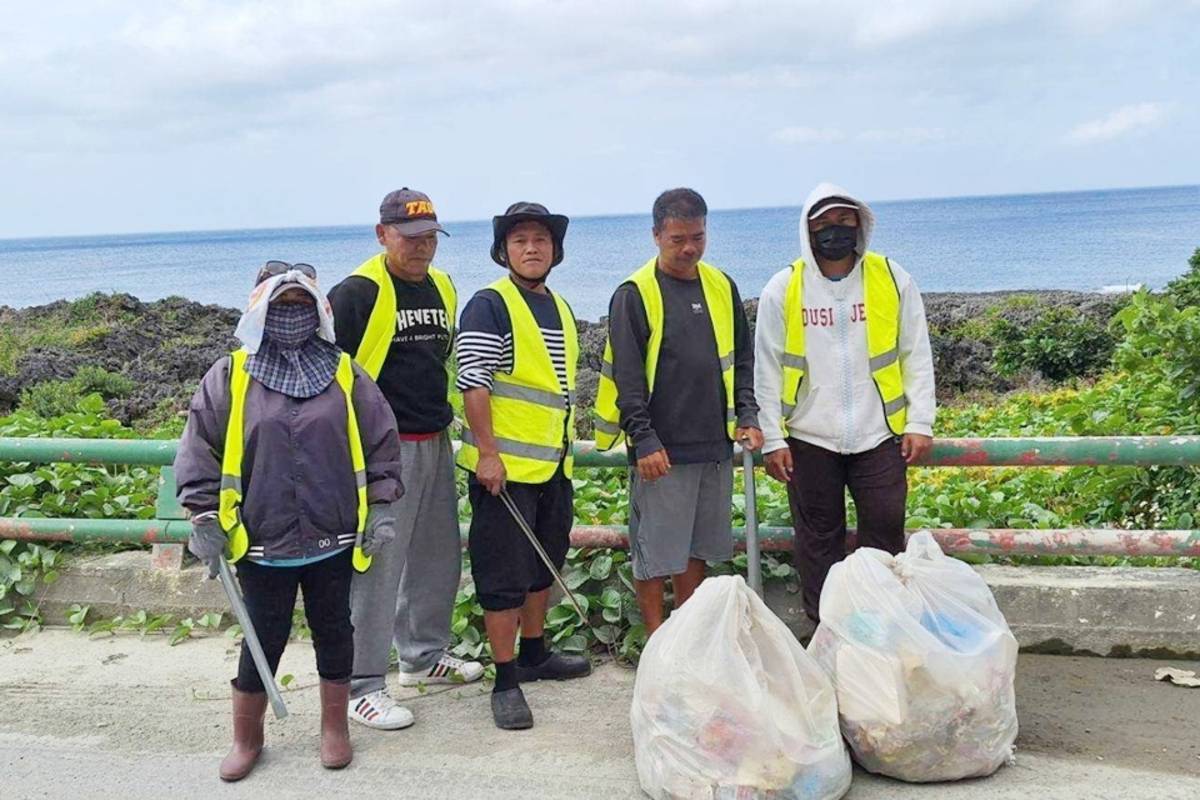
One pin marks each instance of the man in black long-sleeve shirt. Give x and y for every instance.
(682, 362)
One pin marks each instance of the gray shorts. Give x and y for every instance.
(687, 514)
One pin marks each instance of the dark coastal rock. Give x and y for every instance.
(166, 346)
(962, 334)
(48, 364)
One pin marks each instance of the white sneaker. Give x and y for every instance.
(378, 710)
(448, 669)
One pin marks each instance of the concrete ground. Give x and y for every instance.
(134, 718)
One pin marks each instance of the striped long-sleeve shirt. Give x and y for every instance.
(485, 341)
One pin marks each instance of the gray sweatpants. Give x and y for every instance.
(407, 596)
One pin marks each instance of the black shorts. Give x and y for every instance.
(504, 564)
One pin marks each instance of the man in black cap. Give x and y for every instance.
(396, 315)
(517, 352)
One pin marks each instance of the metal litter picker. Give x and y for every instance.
(234, 593)
(519, 518)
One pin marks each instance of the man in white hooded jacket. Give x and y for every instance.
(844, 382)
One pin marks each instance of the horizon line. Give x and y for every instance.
(605, 215)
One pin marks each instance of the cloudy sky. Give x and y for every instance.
(133, 116)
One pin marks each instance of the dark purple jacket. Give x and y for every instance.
(300, 498)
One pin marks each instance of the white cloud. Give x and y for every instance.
(129, 65)
(808, 136)
(1098, 16)
(901, 136)
(894, 21)
(1124, 121)
(631, 91)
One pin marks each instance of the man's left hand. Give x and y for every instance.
(380, 528)
(750, 438)
(915, 447)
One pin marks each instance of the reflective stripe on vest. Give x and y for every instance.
(718, 296)
(881, 301)
(229, 512)
(381, 326)
(530, 420)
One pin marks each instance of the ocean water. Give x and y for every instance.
(1077, 240)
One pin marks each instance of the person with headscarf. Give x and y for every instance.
(289, 465)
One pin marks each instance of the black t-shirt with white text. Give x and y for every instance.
(413, 377)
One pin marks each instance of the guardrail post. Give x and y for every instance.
(166, 507)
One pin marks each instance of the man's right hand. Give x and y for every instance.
(654, 466)
(779, 464)
(490, 473)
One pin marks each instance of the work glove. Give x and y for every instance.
(380, 529)
(207, 541)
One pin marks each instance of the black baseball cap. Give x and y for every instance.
(410, 211)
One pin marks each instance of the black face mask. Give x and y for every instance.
(835, 242)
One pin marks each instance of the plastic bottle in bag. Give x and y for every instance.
(728, 706)
(923, 663)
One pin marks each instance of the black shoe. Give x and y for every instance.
(556, 667)
(510, 710)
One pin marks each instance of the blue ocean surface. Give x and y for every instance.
(1076, 240)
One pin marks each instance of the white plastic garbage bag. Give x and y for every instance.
(728, 705)
(923, 663)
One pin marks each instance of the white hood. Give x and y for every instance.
(837, 406)
(866, 221)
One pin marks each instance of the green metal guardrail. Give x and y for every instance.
(170, 526)
(1061, 451)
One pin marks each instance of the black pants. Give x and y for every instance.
(878, 483)
(504, 564)
(270, 594)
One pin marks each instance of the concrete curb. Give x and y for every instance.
(1105, 611)
(123, 583)
(1120, 612)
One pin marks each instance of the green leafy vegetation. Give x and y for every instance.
(61, 490)
(56, 398)
(1033, 338)
(1186, 288)
(1059, 344)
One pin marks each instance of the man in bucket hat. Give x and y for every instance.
(517, 352)
(396, 315)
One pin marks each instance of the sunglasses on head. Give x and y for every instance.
(273, 268)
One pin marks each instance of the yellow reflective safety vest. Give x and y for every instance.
(532, 420)
(718, 295)
(381, 326)
(881, 300)
(229, 511)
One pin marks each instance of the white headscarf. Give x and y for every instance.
(250, 327)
